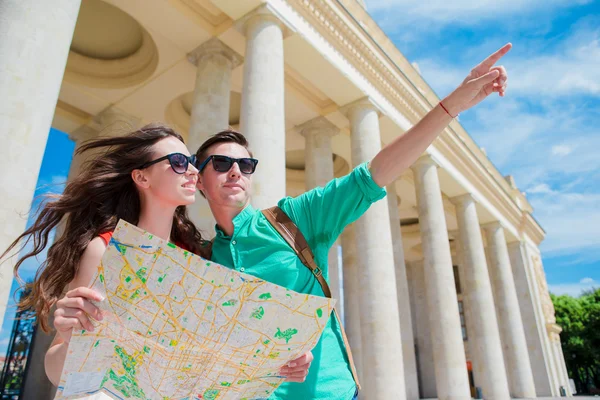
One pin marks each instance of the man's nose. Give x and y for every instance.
(235, 170)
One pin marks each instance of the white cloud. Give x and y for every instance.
(56, 184)
(540, 188)
(460, 11)
(59, 179)
(442, 79)
(571, 221)
(574, 289)
(569, 69)
(561, 150)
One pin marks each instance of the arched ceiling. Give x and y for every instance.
(105, 32)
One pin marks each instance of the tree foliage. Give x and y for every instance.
(580, 320)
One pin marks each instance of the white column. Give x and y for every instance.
(318, 171)
(215, 62)
(446, 337)
(34, 44)
(471, 350)
(210, 111)
(541, 301)
(477, 288)
(262, 117)
(516, 355)
(351, 297)
(383, 372)
(563, 367)
(415, 273)
(526, 288)
(109, 122)
(556, 350)
(406, 329)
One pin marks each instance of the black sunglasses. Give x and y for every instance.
(179, 162)
(224, 164)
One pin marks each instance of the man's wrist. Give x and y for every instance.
(450, 105)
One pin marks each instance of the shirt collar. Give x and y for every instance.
(238, 220)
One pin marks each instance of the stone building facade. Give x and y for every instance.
(443, 284)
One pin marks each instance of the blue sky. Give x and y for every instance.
(53, 172)
(545, 132)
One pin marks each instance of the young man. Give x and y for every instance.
(247, 242)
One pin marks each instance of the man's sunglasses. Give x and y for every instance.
(179, 162)
(224, 164)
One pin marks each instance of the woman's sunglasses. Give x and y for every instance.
(179, 162)
(224, 164)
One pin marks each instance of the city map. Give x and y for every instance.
(177, 326)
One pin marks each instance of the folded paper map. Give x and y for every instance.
(177, 326)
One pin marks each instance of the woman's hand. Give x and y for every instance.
(482, 81)
(74, 311)
(297, 370)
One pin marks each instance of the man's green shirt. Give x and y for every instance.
(256, 248)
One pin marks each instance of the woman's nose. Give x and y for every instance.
(192, 169)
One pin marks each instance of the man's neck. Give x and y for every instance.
(224, 217)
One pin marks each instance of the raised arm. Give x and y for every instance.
(399, 155)
(73, 310)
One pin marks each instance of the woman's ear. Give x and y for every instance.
(140, 179)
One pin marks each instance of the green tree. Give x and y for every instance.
(580, 320)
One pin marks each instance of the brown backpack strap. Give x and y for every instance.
(292, 235)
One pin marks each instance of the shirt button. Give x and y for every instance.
(242, 269)
(234, 242)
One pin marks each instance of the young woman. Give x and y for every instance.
(146, 178)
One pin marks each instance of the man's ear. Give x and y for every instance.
(200, 185)
(140, 179)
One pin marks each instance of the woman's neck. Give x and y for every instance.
(157, 220)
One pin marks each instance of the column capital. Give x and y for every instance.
(424, 161)
(113, 121)
(491, 226)
(263, 12)
(552, 327)
(513, 245)
(462, 199)
(214, 46)
(319, 126)
(364, 103)
(83, 133)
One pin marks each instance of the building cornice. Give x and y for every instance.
(339, 28)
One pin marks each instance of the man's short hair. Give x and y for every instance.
(226, 136)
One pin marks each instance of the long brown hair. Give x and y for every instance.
(91, 204)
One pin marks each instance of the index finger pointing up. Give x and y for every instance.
(492, 59)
